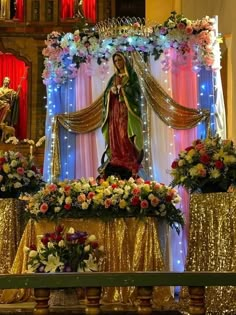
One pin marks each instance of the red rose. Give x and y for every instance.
(67, 206)
(33, 247)
(34, 169)
(59, 229)
(189, 148)
(58, 238)
(219, 164)
(174, 164)
(44, 240)
(135, 201)
(205, 159)
(168, 198)
(94, 245)
(2, 160)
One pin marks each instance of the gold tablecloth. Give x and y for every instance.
(212, 244)
(130, 245)
(11, 229)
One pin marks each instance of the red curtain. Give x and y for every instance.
(89, 7)
(16, 70)
(68, 9)
(19, 10)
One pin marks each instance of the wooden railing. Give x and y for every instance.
(144, 281)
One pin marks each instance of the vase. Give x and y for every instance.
(63, 297)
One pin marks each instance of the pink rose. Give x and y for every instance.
(20, 170)
(144, 204)
(44, 207)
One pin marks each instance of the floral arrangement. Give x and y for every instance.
(18, 174)
(106, 199)
(65, 251)
(210, 162)
(65, 52)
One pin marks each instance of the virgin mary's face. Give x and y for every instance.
(119, 63)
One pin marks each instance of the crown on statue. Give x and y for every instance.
(125, 26)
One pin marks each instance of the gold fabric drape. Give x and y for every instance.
(11, 229)
(212, 244)
(90, 118)
(128, 246)
(169, 111)
(82, 121)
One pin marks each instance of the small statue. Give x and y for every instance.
(79, 11)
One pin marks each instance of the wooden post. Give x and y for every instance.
(144, 295)
(93, 295)
(197, 300)
(41, 298)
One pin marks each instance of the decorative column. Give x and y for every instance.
(197, 300)
(41, 298)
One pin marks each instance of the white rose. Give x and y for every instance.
(57, 209)
(50, 245)
(61, 243)
(87, 248)
(71, 230)
(33, 253)
(17, 185)
(101, 248)
(26, 249)
(92, 238)
(13, 163)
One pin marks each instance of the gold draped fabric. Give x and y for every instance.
(212, 244)
(169, 111)
(90, 118)
(128, 246)
(11, 229)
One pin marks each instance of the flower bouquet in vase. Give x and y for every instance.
(65, 250)
(18, 174)
(206, 166)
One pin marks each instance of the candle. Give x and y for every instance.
(31, 151)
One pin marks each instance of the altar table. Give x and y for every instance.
(130, 244)
(212, 244)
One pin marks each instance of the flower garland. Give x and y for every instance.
(65, 52)
(106, 199)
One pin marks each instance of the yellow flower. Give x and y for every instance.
(229, 159)
(191, 152)
(122, 204)
(105, 184)
(6, 168)
(214, 173)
